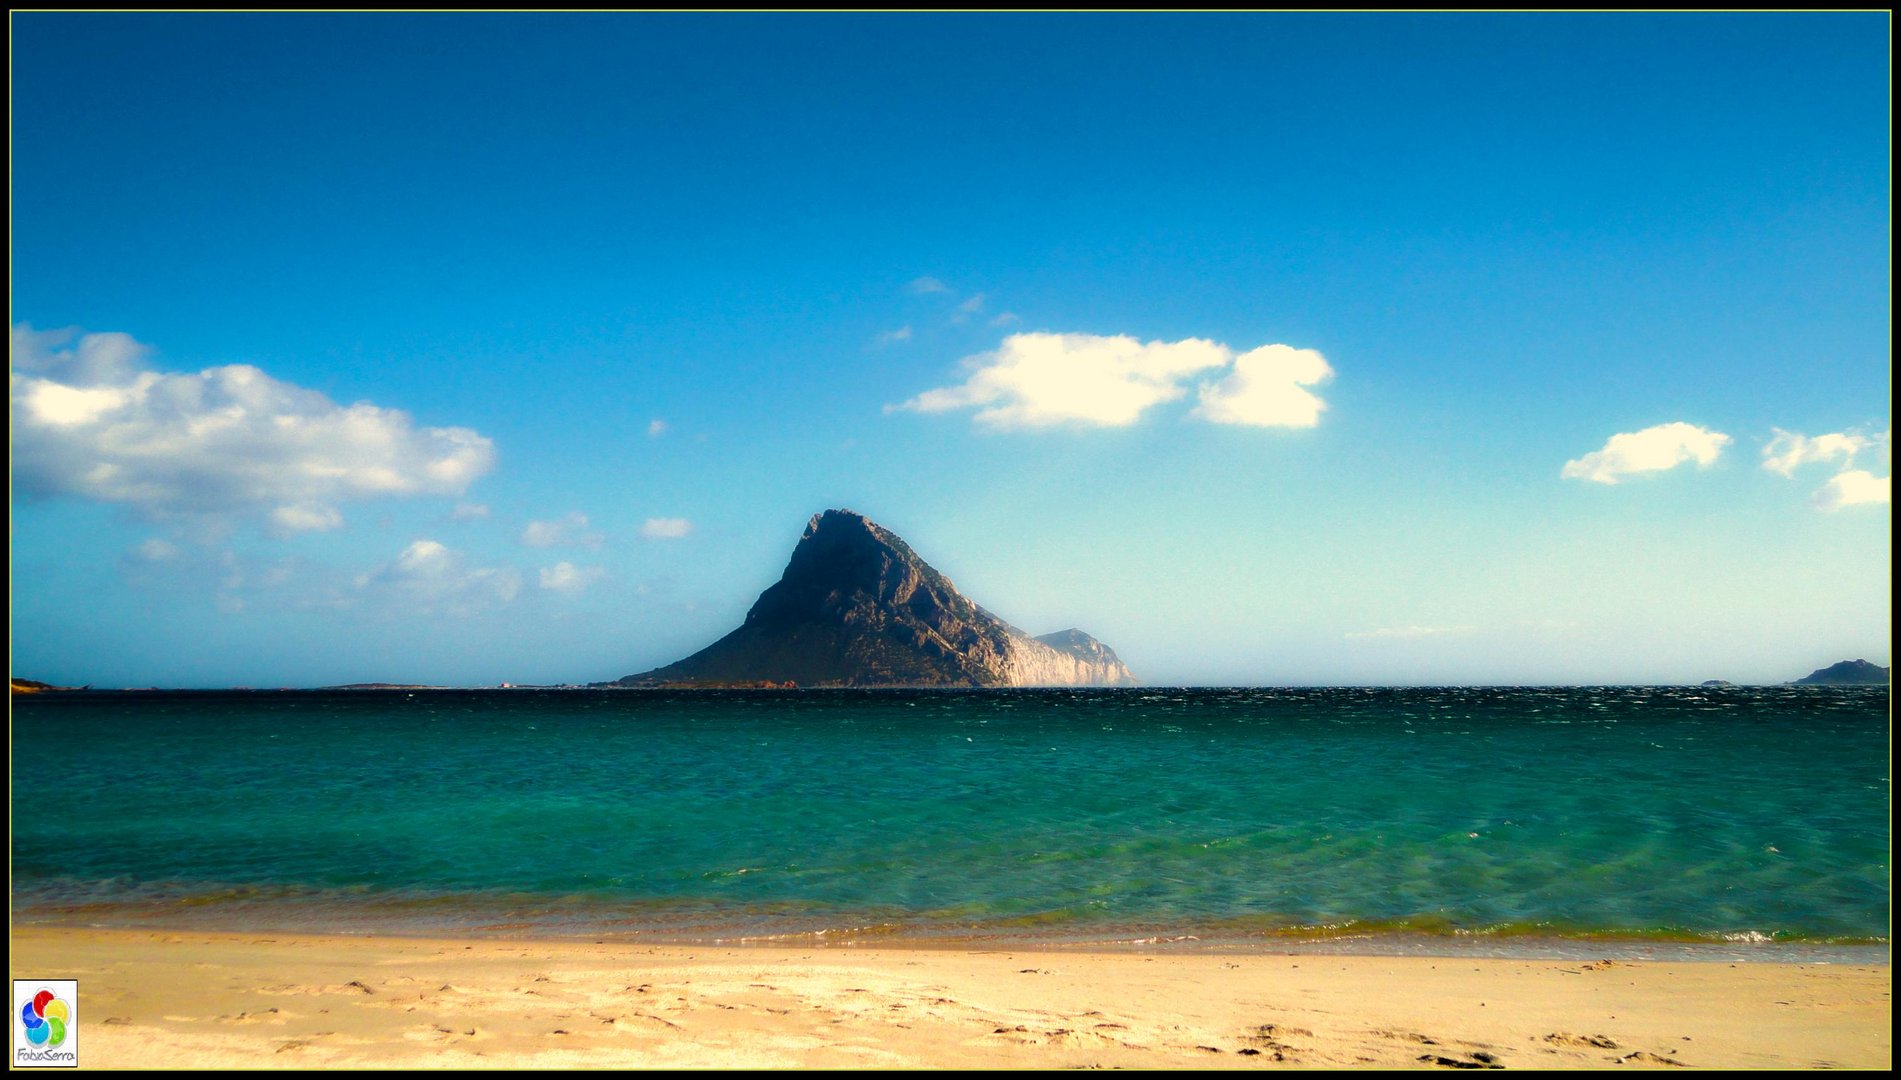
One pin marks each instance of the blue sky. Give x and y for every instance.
(1270, 349)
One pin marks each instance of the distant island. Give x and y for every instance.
(857, 607)
(1846, 673)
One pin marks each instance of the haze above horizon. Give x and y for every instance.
(1269, 349)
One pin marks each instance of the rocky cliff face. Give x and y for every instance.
(857, 607)
(1071, 658)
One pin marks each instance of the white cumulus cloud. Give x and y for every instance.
(231, 581)
(567, 577)
(926, 285)
(429, 577)
(1267, 388)
(1788, 450)
(570, 531)
(665, 528)
(157, 550)
(93, 360)
(1650, 450)
(306, 517)
(1044, 380)
(90, 419)
(1040, 380)
(893, 337)
(1852, 488)
(1402, 632)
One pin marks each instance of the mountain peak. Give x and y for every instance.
(857, 607)
(843, 561)
(831, 520)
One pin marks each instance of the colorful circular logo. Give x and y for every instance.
(46, 1017)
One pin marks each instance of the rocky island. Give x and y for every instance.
(1846, 673)
(857, 607)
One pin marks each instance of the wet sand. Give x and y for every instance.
(175, 999)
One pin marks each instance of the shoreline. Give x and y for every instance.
(1372, 943)
(152, 998)
(700, 927)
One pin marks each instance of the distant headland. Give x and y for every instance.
(857, 607)
(1846, 673)
(34, 686)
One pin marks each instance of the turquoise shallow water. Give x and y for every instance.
(1732, 815)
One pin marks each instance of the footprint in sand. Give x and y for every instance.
(1645, 1057)
(1408, 1036)
(1267, 1039)
(1478, 1059)
(1565, 1038)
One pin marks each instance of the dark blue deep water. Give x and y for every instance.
(1734, 815)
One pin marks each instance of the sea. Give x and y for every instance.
(1731, 823)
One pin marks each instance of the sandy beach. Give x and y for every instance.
(170, 1000)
